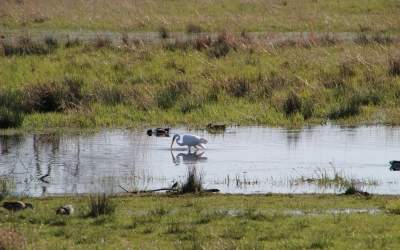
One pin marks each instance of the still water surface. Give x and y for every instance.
(241, 160)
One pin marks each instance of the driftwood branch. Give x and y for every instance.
(212, 190)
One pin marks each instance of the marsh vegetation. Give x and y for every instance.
(208, 221)
(194, 16)
(228, 78)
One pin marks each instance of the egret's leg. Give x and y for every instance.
(189, 148)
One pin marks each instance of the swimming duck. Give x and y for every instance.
(394, 165)
(216, 126)
(159, 132)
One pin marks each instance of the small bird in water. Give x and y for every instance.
(159, 132)
(65, 210)
(16, 205)
(216, 126)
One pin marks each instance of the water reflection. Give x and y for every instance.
(188, 158)
(8, 143)
(293, 137)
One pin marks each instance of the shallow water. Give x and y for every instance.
(241, 160)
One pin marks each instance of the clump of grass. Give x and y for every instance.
(193, 28)
(252, 214)
(239, 87)
(51, 42)
(189, 104)
(100, 204)
(193, 183)
(6, 186)
(11, 114)
(393, 207)
(394, 66)
(361, 39)
(163, 32)
(159, 211)
(320, 243)
(102, 42)
(309, 42)
(52, 96)
(43, 97)
(208, 216)
(234, 232)
(381, 38)
(148, 230)
(10, 118)
(327, 40)
(25, 46)
(168, 97)
(308, 108)
(337, 180)
(346, 109)
(71, 43)
(177, 44)
(174, 227)
(221, 47)
(11, 239)
(292, 104)
(202, 42)
(125, 39)
(346, 69)
(352, 189)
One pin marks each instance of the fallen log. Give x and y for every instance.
(211, 190)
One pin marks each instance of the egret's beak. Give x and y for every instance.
(173, 140)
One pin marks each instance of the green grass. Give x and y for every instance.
(290, 85)
(180, 15)
(210, 222)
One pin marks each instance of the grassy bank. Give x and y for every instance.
(230, 79)
(180, 15)
(209, 222)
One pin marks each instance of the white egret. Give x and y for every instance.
(190, 141)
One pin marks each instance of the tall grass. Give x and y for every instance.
(292, 104)
(26, 46)
(225, 42)
(169, 96)
(6, 187)
(163, 32)
(52, 96)
(11, 114)
(394, 66)
(335, 179)
(102, 42)
(193, 28)
(100, 204)
(193, 182)
(10, 118)
(150, 83)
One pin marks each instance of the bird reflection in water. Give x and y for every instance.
(188, 158)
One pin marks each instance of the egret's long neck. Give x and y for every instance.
(177, 140)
